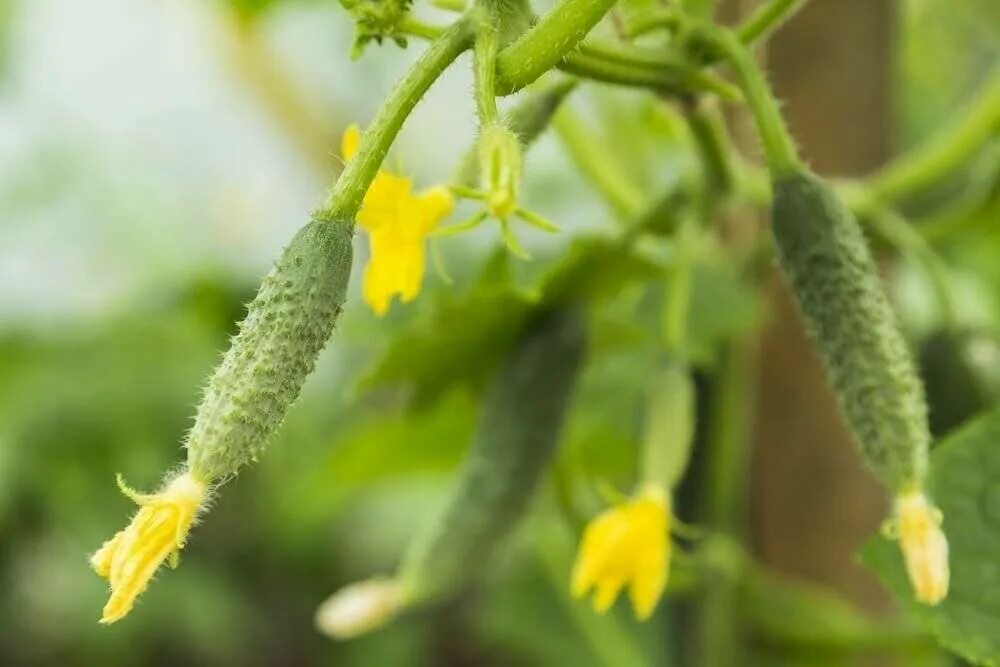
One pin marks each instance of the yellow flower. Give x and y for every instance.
(157, 532)
(924, 546)
(398, 223)
(626, 544)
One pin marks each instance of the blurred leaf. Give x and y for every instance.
(963, 482)
(788, 613)
(465, 336)
(596, 268)
(722, 306)
(458, 344)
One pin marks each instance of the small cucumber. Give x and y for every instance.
(828, 265)
(286, 326)
(516, 437)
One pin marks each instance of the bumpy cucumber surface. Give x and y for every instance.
(831, 272)
(515, 439)
(286, 326)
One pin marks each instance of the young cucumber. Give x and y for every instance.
(286, 327)
(516, 437)
(834, 279)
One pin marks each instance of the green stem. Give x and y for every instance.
(484, 60)
(727, 438)
(417, 28)
(766, 18)
(901, 234)
(450, 5)
(779, 148)
(960, 213)
(709, 135)
(728, 427)
(678, 302)
(597, 164)
(948, 148)
(660, 18)
(345, 197)
(545, 45)
(700, 8)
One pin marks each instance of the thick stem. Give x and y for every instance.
(779, 148)
(710, 138)
(596, 163)
(946, 150)
(678, 302)
(766, 18)
(718, 633)
(545, 45)
(484, 61)
(345, 197)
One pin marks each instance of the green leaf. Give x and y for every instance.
(464, 337)
(722, 306)
(965, 483)
(596, 268)
(459, 343)
(788, 613)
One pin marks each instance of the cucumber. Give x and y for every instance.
(833, 277)
(516, 437)
(286, 326)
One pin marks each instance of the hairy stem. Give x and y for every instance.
(779, 148)
(546, 44)
(594, 160)
(766, 18)
(484, 61)
(349, 190)
(949, 148)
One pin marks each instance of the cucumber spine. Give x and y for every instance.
(286, 327)
(826, 260)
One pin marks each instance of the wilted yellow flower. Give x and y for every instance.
(157, 532)
(359, 608)
(398, 224)
(626, 544)
(925, 548)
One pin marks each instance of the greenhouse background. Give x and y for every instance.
(155, 155)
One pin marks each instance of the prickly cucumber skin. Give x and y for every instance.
(516, 437)
(829, 267)
(286, 326)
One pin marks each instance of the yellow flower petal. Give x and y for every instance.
(157, 531)
(924, 546)
(627, 544)
(386, 202)
(398, 223)
(350, 141)
(437, 203)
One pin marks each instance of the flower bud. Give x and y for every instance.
(500, 169)
(358, 608)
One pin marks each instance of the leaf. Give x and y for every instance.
(788, 613)
(722, 307)
(596, 268)
(465, 336)
(965, 483)
(458, 345)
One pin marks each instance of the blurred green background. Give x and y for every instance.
(154, 157)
